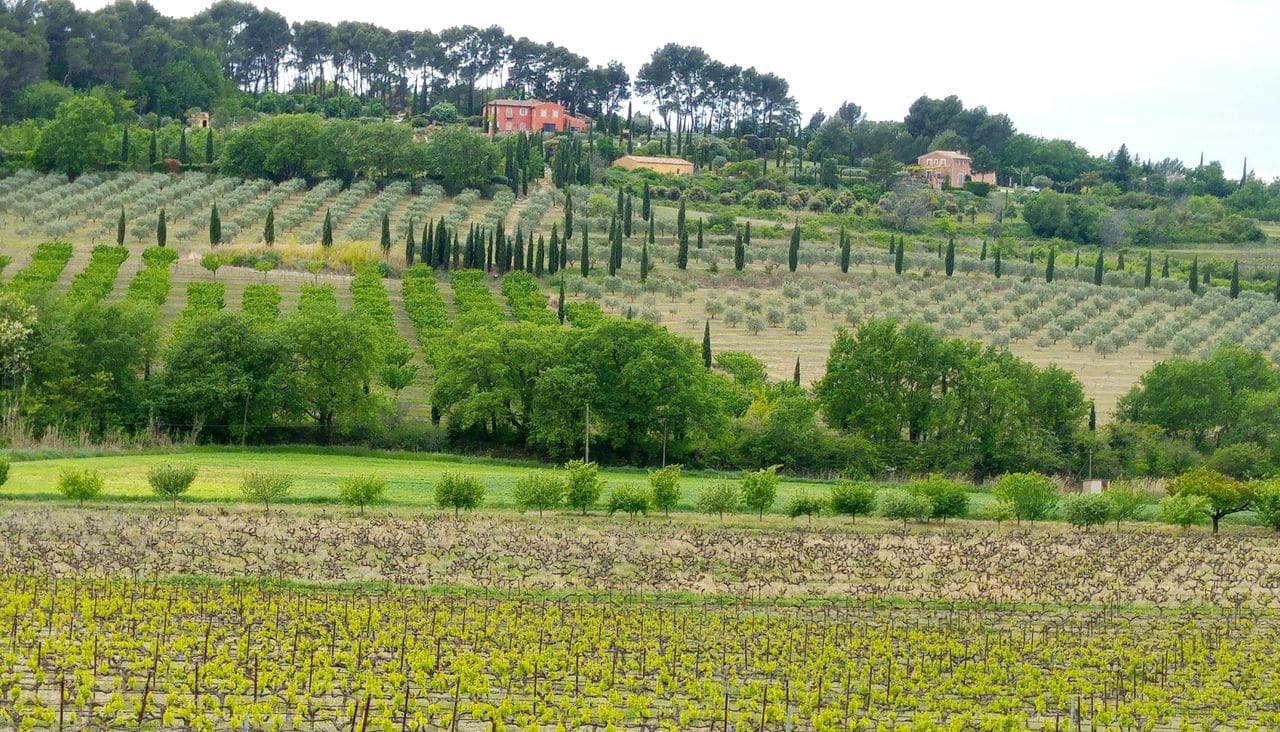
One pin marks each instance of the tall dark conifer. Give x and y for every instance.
(1193, 279)
(844, 251)
(162, 230)
(215, 227)
(644, 261)
(1049, 264)
(1098, 267)
(585, 264)
(120, 228)
(949, 264)
(1235, 280)
(793, 251)
(269, 228)
(1146, 272)
(706, 345)
(326, 229)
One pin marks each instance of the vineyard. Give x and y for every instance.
(572, 625)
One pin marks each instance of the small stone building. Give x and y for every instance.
(198, 120)
(666, 166)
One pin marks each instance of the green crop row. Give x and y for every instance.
(96, 279)
(474, 300)
(526, 301)
(261, 302)
(151, 283)
(46, 264)
(203, 297)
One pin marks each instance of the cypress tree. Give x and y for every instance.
(385, 239)
(183, 155)
(1093, 416)
(706, 345)
(997, 269)
(682, 254)
(326, 231)
(1193, 281)
(1235, 280)
(151, 152)
(1277, 293)
(612, 268)
(425, 255)
(699, 233)
(680, 219)
(1048, 267)
(440, 244)
(739, 253)
(568, 214)
(626, 217)
(564, 253)
(215, 227)
(528, 254)
(208, 146)
(645, 203)
(553, 262)
(898, 260)
(1120, 262)
(795, 377)
(124, 146)
(585, 264)
(793, 253)
(162, 230)
(269, 229)
(746, 235)
(540, 262)
(644, 261)
(560, 303)
(1146, 273)
(524, 182)
(517, 251)
(1097, 269)
(949, 265)
(1077, 257)
(650, 238)
(1164, 271)
(844, 251)
(983, 257)
(120, 228)
(410, 246)
(893, 245)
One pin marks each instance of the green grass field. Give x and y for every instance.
(410, 479)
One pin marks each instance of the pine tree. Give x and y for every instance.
(208, 146)
(326, 231)
(793, 252)
(215, 227)
(183, 154)
(682, 253)
(644, 261)
(540, 262)
(949, 265)
(1097, 269)
(706, 345)
(269, 229)
(120, 228)
(983, 257)
(585, 264)
(844, 251)
(385, 239)
(553, 262)
(162, 230)
(410, 246)
(560, 302)
(1235, 280)
(1049, 264)
(1146, 273)
(795, 377)
(899, 261)
(1193, 281)
(645, 204)
(997, 269)
(739, 253)
(124, 146)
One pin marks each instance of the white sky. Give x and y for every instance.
(1169, 78)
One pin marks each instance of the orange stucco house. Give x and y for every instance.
(949, 168)
(530, 115)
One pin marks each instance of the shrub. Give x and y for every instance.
(80, 485)
(628, 498)
(947, 498)
(904, 506)
(459, 492)
(265, 487)
(1087, 510)
(760, 489)
(1031, 495)
(538, 491)
(361, 491)
(4, 471)
(171, 481)
(849, 498)
(1000, 511)
(584, 485)
(1184, 510)
(720, 497)
(664, 485)
(804, 505)
(1127, 501)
